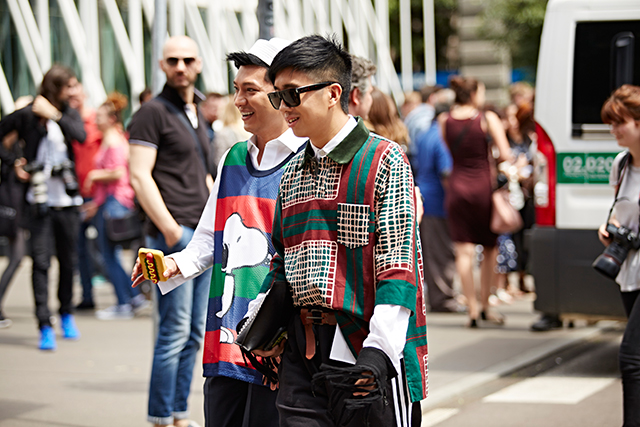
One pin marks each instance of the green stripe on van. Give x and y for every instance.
(584, 168)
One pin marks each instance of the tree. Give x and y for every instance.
(516, 24)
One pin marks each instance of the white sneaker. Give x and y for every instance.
(5, 323)
(115, 312)
(139, 303)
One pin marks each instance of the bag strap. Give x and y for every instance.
(183, 119)
(622, 167)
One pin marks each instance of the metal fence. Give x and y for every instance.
(217, 26)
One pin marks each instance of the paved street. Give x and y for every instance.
(101, 380)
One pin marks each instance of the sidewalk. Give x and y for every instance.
(102, 379)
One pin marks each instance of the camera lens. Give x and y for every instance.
(607, 266)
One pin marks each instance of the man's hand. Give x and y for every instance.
(18, 166)
(90, 209)
(137, 277)
(276, 351)
(172, 237)
(364, 382)
(43, 108)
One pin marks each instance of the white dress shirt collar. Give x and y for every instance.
(337, 139)
(275, 151)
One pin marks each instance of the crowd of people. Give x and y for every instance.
(369, 212)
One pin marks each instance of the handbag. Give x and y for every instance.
(124, 229)
(267, 327)
(504, 217)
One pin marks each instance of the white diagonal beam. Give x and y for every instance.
(91, 78)
(25, 42)
(196, 29)
(136, 75)
(42, 16)
(32, 27)
(6, 98)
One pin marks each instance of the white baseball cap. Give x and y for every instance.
(266, 50)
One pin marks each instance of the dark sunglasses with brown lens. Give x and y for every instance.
(291, 97)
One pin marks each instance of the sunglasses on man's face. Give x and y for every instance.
(291, 97)
(174, 61)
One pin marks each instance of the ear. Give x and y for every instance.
(354, 96)
(335, 91)
(198, 64)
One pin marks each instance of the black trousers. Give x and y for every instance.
(629, 358)
(299, 403)
(57, 230)
(233, 403)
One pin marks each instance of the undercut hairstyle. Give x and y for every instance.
(623, 104)
(322, 59)
(243, 58)
(54, 81)
(361, 70)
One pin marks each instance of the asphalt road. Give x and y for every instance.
(579, 386)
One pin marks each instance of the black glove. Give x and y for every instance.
(376, 407)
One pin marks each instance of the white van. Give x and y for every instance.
(588, 49)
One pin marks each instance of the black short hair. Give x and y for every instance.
(243, 58)
(323, 59)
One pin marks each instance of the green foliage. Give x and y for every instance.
(516, 24)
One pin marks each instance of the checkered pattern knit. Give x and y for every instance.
(346, 238)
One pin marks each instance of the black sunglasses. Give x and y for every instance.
(174, 61)
(291, 97)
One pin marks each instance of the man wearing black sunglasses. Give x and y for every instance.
(169, 150)
(347, 244)
(233, 237)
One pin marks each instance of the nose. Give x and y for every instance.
(239, 99)
(284, 107)
(181, 66)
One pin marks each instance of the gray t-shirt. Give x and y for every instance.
(627, 212)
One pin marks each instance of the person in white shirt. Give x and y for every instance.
(233, 237)
(48, 126)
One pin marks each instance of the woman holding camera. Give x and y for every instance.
(113, 197)
(622, 112)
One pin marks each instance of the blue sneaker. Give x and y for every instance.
(69, 328)
(47, 339)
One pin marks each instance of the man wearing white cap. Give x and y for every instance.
(234, 237)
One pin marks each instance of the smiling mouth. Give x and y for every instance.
(292, 121)
(246, 115)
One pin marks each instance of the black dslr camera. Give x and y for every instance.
(66, 171)
(622, 240)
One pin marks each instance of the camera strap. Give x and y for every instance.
(622, 167)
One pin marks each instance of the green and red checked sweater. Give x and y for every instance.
(346, 238)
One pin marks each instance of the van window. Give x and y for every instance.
(607, 54)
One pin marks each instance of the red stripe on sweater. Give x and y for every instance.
(255, 212)
(226, 352)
